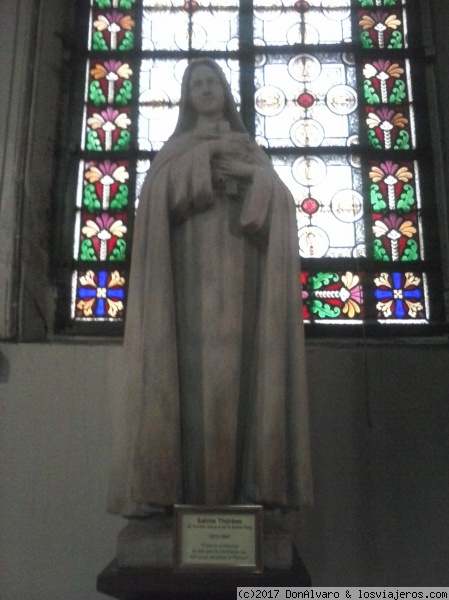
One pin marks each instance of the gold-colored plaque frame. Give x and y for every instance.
(217, 538)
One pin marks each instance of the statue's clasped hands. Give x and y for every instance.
(231, 155)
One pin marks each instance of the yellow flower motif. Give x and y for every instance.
(411, 279)
(116, 279)
(104, 227)
(395, 70)
(382, 280)
(90, 229)
(350, 280)
(122, 121)
(96, 121)
(88, 279)
(124, 71)
(385, 308)
(413, 307)
(376, 174)
(373, 120)
(126, 22)
(102, 23)
(98, 72)
(403, 174)
(407, 228)
(114, 306)
(367, 22)
(399, 120)
(86, 306)
(351, 308)
(392, 22)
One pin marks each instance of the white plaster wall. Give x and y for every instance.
(55, 444)
(381, 515)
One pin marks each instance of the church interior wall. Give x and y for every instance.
(380, 447)
(379, 427)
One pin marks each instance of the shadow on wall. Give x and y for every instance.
(4, 368)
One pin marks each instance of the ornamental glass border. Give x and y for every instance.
(328, 88)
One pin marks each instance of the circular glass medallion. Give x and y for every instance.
(269, 100)
(347, 206)
(297, 34)
(354, 159)
(261, 141)
(305, 100)
(309, 206)
(153, 102)
(309, 170)
(341, 99)
(359, 251)
(179, 69)
(313, 242)
(267, 10)
(143, 164)
(304, 68)
(336, 13)
(232, 45)
(199, 37)
(301, 6)
(260, 59)
(158, 11)
(147, 63)
(307, 132)
(228, 10)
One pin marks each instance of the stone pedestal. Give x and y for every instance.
(149, 542)
(150, 583)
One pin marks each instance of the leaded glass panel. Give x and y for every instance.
(306, 100)
(327, 87)
(308, 22)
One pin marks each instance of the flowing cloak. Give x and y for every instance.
(214, 402)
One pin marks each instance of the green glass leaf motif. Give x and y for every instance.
(323, 309)
(127, 42)
(96, 95)
(118, 252)
(382, 3)
(321, 279)
(93, 141)
(124, 94)
(410, 251)
(103, 3)
(370, 93)
(123, 140)
(87, 251)
(98, 42)
(379, 251)
(367, 42)
(397, 93)
(377, 201)
(402, 141)
(407, 198)
(126, 3)
(373, 140)
(395, 40)
(120, 199)
(90, 198)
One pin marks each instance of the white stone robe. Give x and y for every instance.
(214, 405)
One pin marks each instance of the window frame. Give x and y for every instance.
(63, 323)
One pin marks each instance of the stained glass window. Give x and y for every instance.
(330, 89)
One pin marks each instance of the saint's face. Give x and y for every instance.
(206, 92)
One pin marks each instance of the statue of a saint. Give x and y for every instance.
(214, 407)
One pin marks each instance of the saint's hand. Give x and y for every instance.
(230, 144)
(225, 166)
